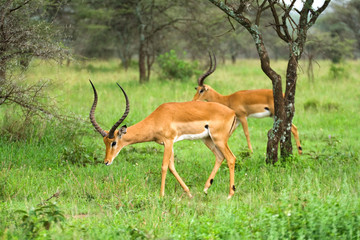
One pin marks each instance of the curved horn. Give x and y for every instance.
(209, 71)
(112, 130)
(92, 111)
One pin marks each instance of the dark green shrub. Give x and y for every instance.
(331, 106)
(38, 219)
(315, 105)
(311, 104)
(174, 68)
(338, 71)
(79, 154)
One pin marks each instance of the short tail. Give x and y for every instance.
(233, 125)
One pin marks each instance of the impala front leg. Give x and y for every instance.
(165, 165)
(168, 162)
(177, 176)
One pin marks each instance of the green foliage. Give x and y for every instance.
(308, 217)
(35, 220)
(311, 104)
(338, 71)
(79, 154)
(316, 105)
(331, 106)
(338, 50)
(136, 233)
(174, 68)
(35, 36)
(342, 24)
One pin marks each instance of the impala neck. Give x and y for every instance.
(138, 133)
(214, 96)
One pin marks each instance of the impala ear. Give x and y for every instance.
(203, 89)
(122, 131)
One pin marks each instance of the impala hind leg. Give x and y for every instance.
(218, 161)
(245, 127)
(230, 158)
(295, 132)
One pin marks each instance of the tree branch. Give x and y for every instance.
(277, 26)
(20, 6)
(317, 13)
(161, 27)
(261, 9)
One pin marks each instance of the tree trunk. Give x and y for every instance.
(310, 69)
(148, 67)
(275, 134)
(289, 99)
(124, 61)
(233, 58)
(142, 55)
(149, 63)
(142, 66)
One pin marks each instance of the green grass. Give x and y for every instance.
(313, 196)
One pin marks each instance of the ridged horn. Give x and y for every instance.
(92, 113)
(127, 109)
(209, 71)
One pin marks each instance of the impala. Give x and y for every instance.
(258, 103)
(172, 122)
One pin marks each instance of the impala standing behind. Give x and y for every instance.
(171, 122)
(258, 103)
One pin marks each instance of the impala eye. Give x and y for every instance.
(201, 90)
(113, 144)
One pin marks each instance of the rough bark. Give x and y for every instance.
(289, 102)
(275, 133)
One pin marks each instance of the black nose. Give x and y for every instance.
(107, 163)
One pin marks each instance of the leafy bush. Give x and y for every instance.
(38, 219)
(174, 68)
(315, 105)
(331, 106)
(79, 154)
(338, 71)
(311, 104)
(306, 218)
(27, 108)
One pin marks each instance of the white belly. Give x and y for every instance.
(266, 113)
(202, 135)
